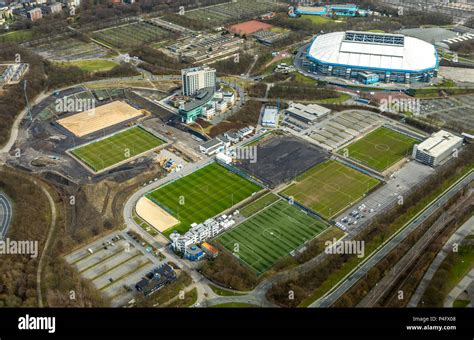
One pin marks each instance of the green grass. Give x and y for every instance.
(370, 246)
(271, 235)
(17, 36)
(225, 292)
(330, 187)
(316, 19)
(201, 195)
(234, 305)
(381, 148)
(460, 303)
(259, 204)
(190, 298)
(119, 147)
(92, 65)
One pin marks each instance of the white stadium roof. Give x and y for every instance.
(374, 51)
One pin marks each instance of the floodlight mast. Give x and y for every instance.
(25, 82)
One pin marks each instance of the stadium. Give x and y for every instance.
(373, 57)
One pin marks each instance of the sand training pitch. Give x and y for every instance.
(90, 121)
(154, 215)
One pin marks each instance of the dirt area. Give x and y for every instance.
(457, 73)
(154, 215)
(87, 122)
(249, 27)
(282, 158)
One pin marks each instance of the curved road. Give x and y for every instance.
(5, 215)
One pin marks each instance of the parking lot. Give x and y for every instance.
(455, 112)
(114, 264)
(401, 182)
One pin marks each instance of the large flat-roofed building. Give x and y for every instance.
(393, 57)
(437, 149)
(308, 113)
(197, 78)
(270, 116)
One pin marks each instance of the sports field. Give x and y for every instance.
(381, 148)
(330, 187)
(270, 235)
(101, 117)
(116, 148)
(201, 195)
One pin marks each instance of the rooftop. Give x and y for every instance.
(439, 143)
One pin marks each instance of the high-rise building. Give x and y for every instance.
(197, 78)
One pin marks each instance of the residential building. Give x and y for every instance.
(201, 232)
(197, 78)
(34, 14)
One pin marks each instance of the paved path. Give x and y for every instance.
(460, 287)
(384, 249)
(466, 229)
(42, 262)
(5, 215)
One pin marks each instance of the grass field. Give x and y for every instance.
(259, 204)
(121, 146)
(271, 234)
(17, 36)
(92, 65)
(381, 148)
(330, 187)
(201, 195)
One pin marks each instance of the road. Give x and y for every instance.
(383, 250)
(5, 215)
(466, 229)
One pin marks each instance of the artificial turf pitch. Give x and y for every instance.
(121, 146)
(381, 148)
(201, 195)
(271, 234)
(330, 187)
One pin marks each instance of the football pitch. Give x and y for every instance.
(330, 187)
(381, 148)
(201, 195)
(116, 148)
(271, 234)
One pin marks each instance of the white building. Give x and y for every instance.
(196, 78)
(212, 147)
(308, 113)
(201, 232)
(270, 116)
(437, 149)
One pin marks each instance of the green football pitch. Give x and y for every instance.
(381, 148)
(271, 234)
(201, 195)
(121, 146)
(330, 187)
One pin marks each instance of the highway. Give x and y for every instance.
(5, 215)
(362, 269)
